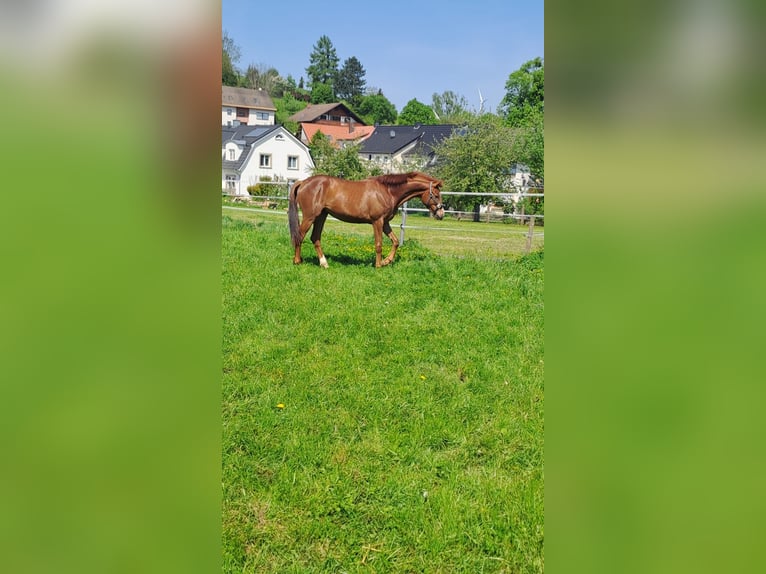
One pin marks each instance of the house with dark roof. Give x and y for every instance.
(249, 153)
(242, 106)
(395, 148)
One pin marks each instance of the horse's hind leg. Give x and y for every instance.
(316, 235)
(302, 230)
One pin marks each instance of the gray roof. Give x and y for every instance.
(392, 139)
(246, 98)
(246, 136)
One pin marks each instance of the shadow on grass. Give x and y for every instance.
(341, 259)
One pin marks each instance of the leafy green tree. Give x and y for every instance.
(350, 82)
(450, 108)
(477, 159)
(531, 148)
(525, 92)
(321, 94)
(323, 63)
(415, 112)
(230, 55)
(376, 109)
(286, 106)
(343, 162)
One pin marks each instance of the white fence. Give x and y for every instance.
(272, 202)
(505, 198)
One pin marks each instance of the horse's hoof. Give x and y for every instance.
(323, 263)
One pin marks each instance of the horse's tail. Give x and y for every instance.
(292, 214)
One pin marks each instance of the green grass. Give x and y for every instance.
(379, 420)
(463, 238)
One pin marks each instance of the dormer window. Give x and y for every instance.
(232, 154)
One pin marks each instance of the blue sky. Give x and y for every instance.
(408, 49)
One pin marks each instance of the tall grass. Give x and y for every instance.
(379, 420)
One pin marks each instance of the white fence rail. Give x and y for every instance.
(512, 198)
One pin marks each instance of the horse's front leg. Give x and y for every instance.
(394, 243)
(377, 228)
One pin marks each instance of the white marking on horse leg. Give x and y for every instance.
(323, 262)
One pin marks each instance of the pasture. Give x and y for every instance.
(380, 420)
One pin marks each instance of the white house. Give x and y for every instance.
(400, 148)
(245, 106)
(249, 153)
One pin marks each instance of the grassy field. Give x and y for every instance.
(461, 238)
(379, 420)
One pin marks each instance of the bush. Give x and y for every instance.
(266, 188)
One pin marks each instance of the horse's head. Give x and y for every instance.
(432, 197)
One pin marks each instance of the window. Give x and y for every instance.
(231, 154)
(231, 181)
(265, 160)
(292, 162)
(262, 115)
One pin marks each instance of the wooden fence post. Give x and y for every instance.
(530, 233)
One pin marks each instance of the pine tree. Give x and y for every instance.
(350, 83)
(323, 67)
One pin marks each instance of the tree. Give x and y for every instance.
(415, 112)
(376, 109)
(287, 106)
(323, 63)
(321, 94)
(531, 148)
(343, 162)
(261, 77)
(230, 55)
(450, 108)
(350, 81)
(525, 91)
(477, 159)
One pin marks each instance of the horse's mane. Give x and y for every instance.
(394, 179)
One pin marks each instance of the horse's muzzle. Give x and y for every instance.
(439, 213)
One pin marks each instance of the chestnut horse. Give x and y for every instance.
(373, 200)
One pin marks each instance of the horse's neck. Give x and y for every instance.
(407, 191)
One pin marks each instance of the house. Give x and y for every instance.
(341, 125)
(395, 148)
(339, 136)
(250, 153)
(337, 114)
(242, 106)
(520, 178)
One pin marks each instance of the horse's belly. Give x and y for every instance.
(348, 218)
